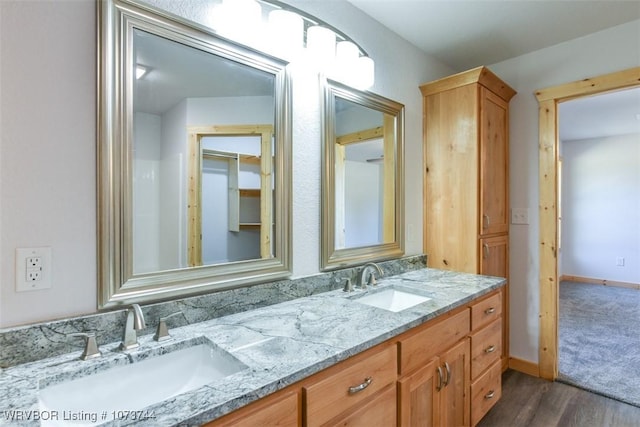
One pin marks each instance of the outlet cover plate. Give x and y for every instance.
(30, 275)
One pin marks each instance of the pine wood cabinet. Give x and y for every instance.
(466, 176)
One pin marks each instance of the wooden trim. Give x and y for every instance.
(548, 152)
(603, 282)
(614, 81)
(340, 197)
(481, 75)
(360, 136)
(194, 211)
(389, 180)
(266, 190)
(194, 222)
(524, 366)
(548, 208)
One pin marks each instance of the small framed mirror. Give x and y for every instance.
(362, 182)
(193, 157)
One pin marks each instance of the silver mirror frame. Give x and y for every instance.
(332, 258)
(117, 284)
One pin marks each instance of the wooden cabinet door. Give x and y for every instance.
(494, 253)
(454, 399)
(419, 397)
(494, 164)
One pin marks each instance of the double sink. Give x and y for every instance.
(157, 378)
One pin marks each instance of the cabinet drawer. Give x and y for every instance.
(486, 347)
(379, 411)
(280, 409)
(486, 311)
(418, 348)
(485, 392)
(337, 391)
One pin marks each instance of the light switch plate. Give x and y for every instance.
(33, 269)
(519, 216)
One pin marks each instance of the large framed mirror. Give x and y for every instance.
(194, 159)
(362, 182)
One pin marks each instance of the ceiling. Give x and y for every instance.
(468, 33)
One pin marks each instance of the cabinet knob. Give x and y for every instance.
(490, 395)
(360, 387)
(490, 349)
(486, 251)
(490, 310)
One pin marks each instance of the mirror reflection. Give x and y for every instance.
(363, 177)
(182, 86)
(194, 160)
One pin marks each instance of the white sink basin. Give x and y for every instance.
(136, 385)
(393, 299)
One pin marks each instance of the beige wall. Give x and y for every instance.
(600, 53)
(47, 144)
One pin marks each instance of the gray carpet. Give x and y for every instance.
(599, 338)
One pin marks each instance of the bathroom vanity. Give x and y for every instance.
(330, 358)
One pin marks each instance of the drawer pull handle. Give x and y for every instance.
(490, 349)
(439, 386)
(490, 395)
(360, 387)
(490, 310)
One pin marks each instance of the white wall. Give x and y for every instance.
(601, 208)
(600, 53)
(48, 145)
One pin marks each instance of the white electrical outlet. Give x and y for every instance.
(620, 261)
(519, 216)
(33, 269)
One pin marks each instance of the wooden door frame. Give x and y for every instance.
(548, 100)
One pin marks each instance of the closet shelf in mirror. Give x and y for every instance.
(249, 192)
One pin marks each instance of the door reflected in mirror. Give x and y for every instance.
(363, 194)
(194, 159)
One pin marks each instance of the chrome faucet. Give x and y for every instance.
(363, 274)
(135, 322)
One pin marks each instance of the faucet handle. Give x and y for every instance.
(91, 350)
(162, 333)
(348, 287)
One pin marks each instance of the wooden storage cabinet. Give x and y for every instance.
(466, 176)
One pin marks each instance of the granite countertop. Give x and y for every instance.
(280, 344)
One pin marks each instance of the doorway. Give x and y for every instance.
(548, 100)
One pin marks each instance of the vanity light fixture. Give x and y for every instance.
(288, 32)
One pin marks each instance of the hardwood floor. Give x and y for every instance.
(532, 402)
